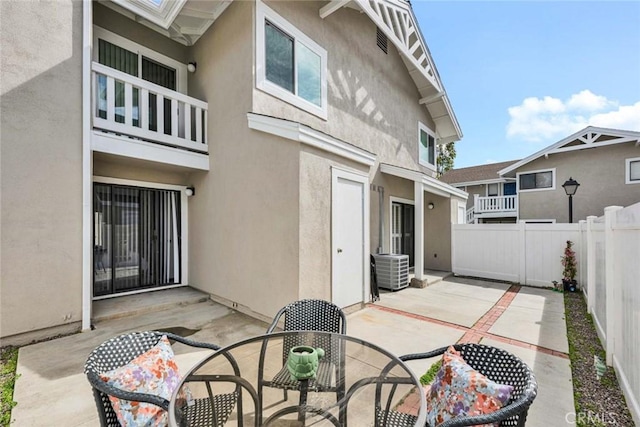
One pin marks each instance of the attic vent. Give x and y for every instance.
(382, 40)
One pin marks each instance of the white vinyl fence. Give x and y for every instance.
(522, 253)
(608, 256)
(613, 293)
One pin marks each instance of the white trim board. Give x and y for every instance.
(138, 149)
(301, 133)
(429, 184)
(87, 166)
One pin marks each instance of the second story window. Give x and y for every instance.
(426, 146)
(492, 190)
(290, 65)
(633, 171)
(538, 180)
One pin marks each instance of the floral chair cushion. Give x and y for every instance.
(459, 390)
(154, 372)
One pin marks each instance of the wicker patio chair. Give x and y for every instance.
(121, 350)
(499, 366)
(310, 315)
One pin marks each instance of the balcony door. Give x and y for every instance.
(134, 63)
(403, 230)
(136, 239)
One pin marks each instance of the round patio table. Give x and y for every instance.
(357, 383)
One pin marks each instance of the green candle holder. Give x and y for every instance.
(302, 362)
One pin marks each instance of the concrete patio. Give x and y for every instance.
(52, 389)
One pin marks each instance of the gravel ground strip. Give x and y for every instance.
(599, 402)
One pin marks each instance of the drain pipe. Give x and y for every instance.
(380, 218)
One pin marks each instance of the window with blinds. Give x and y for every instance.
(137, 238)
(137, 65)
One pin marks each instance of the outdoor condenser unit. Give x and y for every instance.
(392, 271)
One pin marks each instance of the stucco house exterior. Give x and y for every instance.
(258, 151)
(605, 162)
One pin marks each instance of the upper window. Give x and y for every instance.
(290, 65)
(426, 146)
(538, 180)
(632, 171)
(492, 189)
(124, 55)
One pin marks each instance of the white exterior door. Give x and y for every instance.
(350, 231)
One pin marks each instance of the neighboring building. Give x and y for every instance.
(257, 151)
(605, 162)
(492, 199)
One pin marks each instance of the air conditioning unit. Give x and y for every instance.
(392, 271)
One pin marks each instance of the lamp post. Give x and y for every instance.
(570, 187)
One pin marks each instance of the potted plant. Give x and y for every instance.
(570, 268)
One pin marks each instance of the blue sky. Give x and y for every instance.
(522, 75)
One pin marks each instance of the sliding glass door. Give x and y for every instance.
(136, 238)
(402, 230)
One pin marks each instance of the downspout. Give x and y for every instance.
(380, 219)
(87, 164)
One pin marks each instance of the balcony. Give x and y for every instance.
(135, 118)
(493, 207)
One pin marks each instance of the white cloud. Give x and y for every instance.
(548, 118)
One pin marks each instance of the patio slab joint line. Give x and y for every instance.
(481, 328)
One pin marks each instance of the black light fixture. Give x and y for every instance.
(190, 191)
(431, 205)
(192, 66)
(570, 187)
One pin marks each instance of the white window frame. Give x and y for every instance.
(553, 181)
(184, 218)
(499, 192)
(113, 38)
(263, 14)
(423, 127)
(627, 171)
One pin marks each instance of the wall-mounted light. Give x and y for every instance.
(431, 205)
(190, 191)
(192, 67)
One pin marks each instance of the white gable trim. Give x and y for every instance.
(298, 132)
(587, 135)
(161, 14)
(395, 18)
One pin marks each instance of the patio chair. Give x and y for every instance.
(310, 315)
(119, 351)
(499, 366)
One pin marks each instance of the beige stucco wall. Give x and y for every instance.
(600, 172)
(244, 218)
(480, 190)
(139, 170)
(41, 165)
(437, 232)
(315, 219)
(115, 22)
(372, 99)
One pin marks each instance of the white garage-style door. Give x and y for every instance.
(350, 237)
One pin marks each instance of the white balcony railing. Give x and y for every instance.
(470, 215)
(131, 106)
(495, 204)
